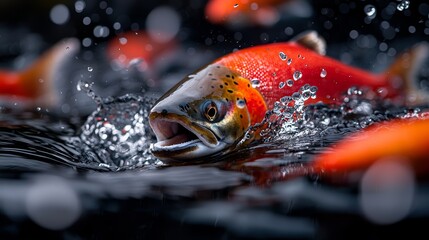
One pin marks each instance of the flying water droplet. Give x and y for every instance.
(306, 95)
(313, 89)
(90, 69)
(403, 5)
(255, 83)
(370, 10)
(283, 56)
(297, 75)
(87, 87)
(323, 73)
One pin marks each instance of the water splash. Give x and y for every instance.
(282, 121)
(118, 132)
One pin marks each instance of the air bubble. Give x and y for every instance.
(323, 73)
(297, 75)
(283, 56)
(255, 83)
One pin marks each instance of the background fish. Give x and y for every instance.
(35, 85)
(210, 111)
(403, 140)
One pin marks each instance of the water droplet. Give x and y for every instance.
(323, 73)
(241, 103)
(306, 87)
(297, 75)
(285, 100)
(313, 89)
(38, 109)
(101, 31)
(123, 40)
(281, 85)
(306, 95)
(283, 56)
(403, 5)
(296, 96)
(90, 69)
(79, 6)
(289, 61)
(255, 83)
(289, 82)
(236, 5)
(83, 86)
(370, 10)
(60, 14)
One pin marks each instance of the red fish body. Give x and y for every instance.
(263, 63)
(213, 107)
(131, 46)
(261, 12)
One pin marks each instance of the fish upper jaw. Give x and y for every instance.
(179, 137)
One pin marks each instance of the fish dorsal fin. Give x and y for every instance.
(312, 41)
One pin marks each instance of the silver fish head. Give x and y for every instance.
(203, 114)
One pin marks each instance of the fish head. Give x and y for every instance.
(205, 113)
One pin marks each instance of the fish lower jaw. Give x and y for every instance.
(184, 151)
(177, 142)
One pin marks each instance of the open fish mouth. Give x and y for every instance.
(177, 137)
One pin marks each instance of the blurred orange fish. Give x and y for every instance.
(262, 12)
(35, 85)
(406, 140)
(137, 47)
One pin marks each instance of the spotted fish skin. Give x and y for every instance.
(210, 110)
(306, 67)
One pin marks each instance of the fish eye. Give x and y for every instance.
(212, 111)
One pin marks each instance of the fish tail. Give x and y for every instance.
(404, 70)
(36, 83)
